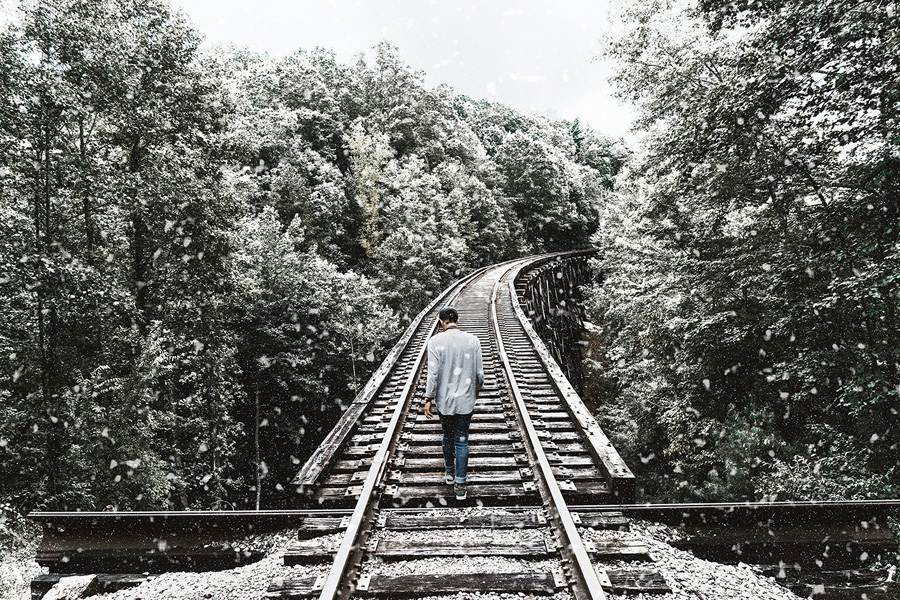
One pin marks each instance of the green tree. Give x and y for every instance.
(306, 329)
(368, 154)
(112, 161)
(768, 231)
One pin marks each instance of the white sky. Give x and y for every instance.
(533, 56)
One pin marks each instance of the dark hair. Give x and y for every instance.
(449, 315)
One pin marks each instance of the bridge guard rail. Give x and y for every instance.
(530, 285)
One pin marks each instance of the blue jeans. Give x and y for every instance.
(456, 444)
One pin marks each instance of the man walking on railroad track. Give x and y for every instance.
(455, 374)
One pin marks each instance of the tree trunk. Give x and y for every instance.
(139, 234)
(85, 193)
(256, 445)
(353, 366)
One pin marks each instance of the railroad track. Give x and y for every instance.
(534, 450)
(548, 495)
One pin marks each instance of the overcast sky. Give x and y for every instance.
(534, 56)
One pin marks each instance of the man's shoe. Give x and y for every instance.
(460, 489)
(449, 477)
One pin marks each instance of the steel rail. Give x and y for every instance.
(780, 505)
(183, 514)
(585, 570)
(332, 584)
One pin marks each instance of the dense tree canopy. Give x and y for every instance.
(203, 255)
(749, 260)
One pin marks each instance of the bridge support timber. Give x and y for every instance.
(549, 308)
(549, 294)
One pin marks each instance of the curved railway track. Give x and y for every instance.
(541, 475)
(534, 449)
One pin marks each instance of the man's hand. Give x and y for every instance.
(429, 407)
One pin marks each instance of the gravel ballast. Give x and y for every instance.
(249, 582)
(692, 578)
(689, 577)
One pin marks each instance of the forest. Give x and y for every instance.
(747, 295)
(204, 253)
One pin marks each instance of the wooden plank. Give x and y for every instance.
(483, 495)
(542, 403)
(319, 461)
(314, 526)
(302, 553)
(372, 429)
(571, 460)
(475, 462)
(562, 449)
(333, 496)
(602, 520)
(300, 587)
(475, 438)
(490, 392)
(432, 477)
(142, 559)
(401, 521)
(548, 415)
(352, 466)
(494, 405)
(396, 550)
(621, 549)
(556, 427)
(635, 581)
(357, 453)
(72, 588)
(473, 476)
(466, 583)
(417, 585)
(537, 394)
(586, 492)
(477, 417)
(474, 450)
(499, 425)
(591, 473)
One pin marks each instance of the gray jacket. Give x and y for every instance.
(455, 371)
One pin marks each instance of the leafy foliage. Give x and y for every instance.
(203, 256)
(748, 288)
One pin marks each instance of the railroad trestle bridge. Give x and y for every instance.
(545, 483)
